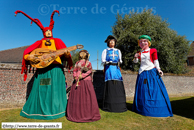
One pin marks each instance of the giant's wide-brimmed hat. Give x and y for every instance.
(110, 37)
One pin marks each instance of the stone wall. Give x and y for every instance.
(13, 88)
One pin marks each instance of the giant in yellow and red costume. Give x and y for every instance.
(47, 99)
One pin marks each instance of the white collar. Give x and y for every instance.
(146, 50)
(108, 48)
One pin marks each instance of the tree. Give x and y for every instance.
(75, 56)
(172, 48)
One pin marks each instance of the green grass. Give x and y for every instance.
(183, 119)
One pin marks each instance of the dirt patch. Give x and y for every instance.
(10, 108)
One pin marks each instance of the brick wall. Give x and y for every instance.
(13, 88)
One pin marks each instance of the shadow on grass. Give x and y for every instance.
(129, 106)
(184, 107)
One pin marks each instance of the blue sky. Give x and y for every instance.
(86, 22)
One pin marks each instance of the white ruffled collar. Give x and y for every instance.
(111, 48)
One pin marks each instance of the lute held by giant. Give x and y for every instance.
(43, 57)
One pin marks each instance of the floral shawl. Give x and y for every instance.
(79, 68)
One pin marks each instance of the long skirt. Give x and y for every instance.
(82, 103)
(47, 99)
(114, 99)
(151, 97)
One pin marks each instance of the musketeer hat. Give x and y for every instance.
(110, 37)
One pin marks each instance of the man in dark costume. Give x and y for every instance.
(114, 99)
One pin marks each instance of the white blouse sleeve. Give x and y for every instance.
(157, 65)
(120, 56)
(103, 57)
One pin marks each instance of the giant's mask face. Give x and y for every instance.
(48, 33)
(83, 55)
(143, 43)
(112, 43)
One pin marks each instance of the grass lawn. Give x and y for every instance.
(183, 119)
